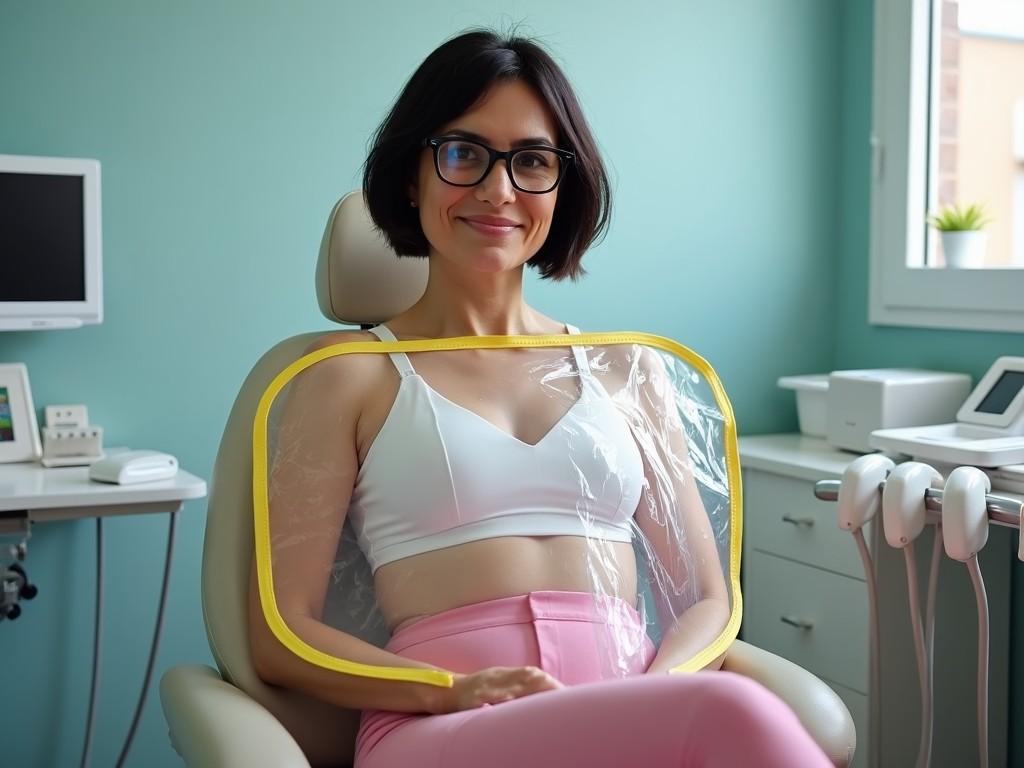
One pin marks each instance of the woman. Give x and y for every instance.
(485, 165)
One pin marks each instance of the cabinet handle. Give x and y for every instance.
(802, 522)
(803, 624)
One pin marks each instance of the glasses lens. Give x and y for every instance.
(465, 163)
(461, 162)
(535, 170)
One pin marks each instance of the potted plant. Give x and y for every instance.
(963, 241)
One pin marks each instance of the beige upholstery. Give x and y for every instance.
(358, 280)
(230, 717)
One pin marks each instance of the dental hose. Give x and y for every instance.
(876, 674)
(965, 518)
(904, 516)
(859, 500)
(929, 631)
(983, 628)
(920, 651)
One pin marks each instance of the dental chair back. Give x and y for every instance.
(359, 280)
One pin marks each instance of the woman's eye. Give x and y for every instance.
(531, 160)
(462, 152)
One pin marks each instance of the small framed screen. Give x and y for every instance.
(51, 243)
(998, 399)
(1002, 393)
(42, 237)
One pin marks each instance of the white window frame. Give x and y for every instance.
(902, 290)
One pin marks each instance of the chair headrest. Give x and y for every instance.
(359, 279)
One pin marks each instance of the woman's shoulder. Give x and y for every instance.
(332, 338)
(350, 371)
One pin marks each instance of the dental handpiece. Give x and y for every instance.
(965, 522)
(903, 519)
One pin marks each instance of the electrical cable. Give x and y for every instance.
(96, 646)
(155, 645)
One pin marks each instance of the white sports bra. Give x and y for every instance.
(438, 474)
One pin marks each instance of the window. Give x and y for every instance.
(948, 128)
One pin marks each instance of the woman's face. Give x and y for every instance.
(491, 227)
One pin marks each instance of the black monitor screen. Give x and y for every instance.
(42, 238)
(1001, 395)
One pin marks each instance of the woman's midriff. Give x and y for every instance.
(576, 637)
(417, 587)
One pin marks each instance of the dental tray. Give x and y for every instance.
(956, 443)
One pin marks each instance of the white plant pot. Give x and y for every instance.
(965, 249)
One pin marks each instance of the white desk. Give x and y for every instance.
(29, 491)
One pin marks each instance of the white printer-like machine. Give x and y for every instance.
(930, 416)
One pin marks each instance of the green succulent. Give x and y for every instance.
(955, 218)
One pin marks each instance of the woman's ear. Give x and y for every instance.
(413, 195)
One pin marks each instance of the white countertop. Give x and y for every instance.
(794, 455)
(29, 485)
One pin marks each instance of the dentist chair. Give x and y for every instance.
(228, 716)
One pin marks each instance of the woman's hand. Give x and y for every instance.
(494, 685)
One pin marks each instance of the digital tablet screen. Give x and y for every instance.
(1001, 395)
(6, 421)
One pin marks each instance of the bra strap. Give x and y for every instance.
(579, 353)
(400, 359)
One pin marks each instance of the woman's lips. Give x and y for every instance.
(492, 227)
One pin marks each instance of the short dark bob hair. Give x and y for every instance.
(447, 84)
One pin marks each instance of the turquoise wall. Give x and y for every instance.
(860, 345)
(227, 130)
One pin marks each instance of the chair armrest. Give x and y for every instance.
(213, 723)
(818, 707)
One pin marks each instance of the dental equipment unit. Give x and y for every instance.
(909, 498)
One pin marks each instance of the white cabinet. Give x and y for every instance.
(805, 599)
(803, 582)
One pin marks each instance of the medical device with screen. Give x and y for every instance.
(50, 243)
(989, 427)
(1002, 394)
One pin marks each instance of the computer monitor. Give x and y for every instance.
(50, 243)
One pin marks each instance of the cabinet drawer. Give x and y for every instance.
(779, 593)
(781, 516)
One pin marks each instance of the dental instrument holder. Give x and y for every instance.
(965, 527)
(1001, 510)
(903, 520)
(897, 652)
(859, 501)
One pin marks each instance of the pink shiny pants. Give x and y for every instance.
(601, 719)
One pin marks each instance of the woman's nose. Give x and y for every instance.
(496, 187)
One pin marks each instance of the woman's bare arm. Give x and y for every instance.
(674, 522)
(312, 474)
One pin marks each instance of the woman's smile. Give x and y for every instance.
(492, 226)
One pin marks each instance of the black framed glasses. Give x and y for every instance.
(465, 163)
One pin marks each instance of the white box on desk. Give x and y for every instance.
(861, 401)
(811, 401)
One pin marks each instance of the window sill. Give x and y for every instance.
(960, 299)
